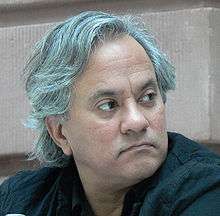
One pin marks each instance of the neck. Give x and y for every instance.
(103, 199)
(105, 203)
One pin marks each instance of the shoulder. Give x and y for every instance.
(29, 179)
(187, 150)
(18, 191)
(188, 179)
(189, 158)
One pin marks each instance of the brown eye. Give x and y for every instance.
(108, 106)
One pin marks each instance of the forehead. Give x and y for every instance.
(115, 63)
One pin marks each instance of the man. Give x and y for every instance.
(97, 84)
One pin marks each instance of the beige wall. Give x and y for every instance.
(188, 31)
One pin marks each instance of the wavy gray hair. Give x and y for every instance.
(60, 57)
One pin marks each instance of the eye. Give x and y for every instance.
(108, 106)
(148, 97)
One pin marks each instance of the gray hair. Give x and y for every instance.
(61, 56)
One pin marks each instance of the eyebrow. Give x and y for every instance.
(114, 93)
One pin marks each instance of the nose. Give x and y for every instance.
(133, 120)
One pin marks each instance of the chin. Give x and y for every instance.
(149, 171)
(141, 172)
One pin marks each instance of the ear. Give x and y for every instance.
(54, 128)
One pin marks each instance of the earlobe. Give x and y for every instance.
(67, 149)
(54, 128)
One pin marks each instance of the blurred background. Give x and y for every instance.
(187, 31)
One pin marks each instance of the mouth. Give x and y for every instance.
(138, 147)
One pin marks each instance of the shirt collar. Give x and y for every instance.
(80, 205)
(70, 193)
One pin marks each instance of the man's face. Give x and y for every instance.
(117, 128)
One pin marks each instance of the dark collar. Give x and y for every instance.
(71, 196)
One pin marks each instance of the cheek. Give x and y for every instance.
(158, 120)
(104, 132)
(93, 133)
(99, 141)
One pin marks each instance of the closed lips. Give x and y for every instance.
(137, 146)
